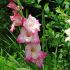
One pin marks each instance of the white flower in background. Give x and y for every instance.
(67, 31)
(67, 39)
(67, 21)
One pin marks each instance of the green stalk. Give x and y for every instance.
(1, 51)
(26, 13)
(55, 63)
(43, 26)
(19, 4)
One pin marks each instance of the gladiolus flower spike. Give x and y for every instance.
(28, 34)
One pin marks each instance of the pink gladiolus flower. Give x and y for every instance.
(34, 54)
(31, 50)
(32, 24)
(40, 57)
(13, 6)
(17, 20)
(27, 37)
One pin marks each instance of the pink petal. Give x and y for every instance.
(20, 38)
(35, 39)
(29, 50)
(42, 55)
(39, 63)
(12, 27)
(36, 56)
(26, 37)
(17, 20)
(24, 20)
(12, 5)
(32, 24)
(23, 37)
(28, 59)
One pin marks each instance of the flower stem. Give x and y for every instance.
(43, 27)
(19, 4)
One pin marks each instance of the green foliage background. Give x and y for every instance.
(52, 15)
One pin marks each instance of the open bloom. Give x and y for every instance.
(32, 24)
(13, 6)
(27, 37)
(17, 20)
(34, 54)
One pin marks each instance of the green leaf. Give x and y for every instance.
(3, 2)
(37, 6)
(67, 4)
(46, 8)
(30, 1)
(59, 10)
(13, 60)
(22, 69)
(59, 1)
(38, 1)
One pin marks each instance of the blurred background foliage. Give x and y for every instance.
(52, 15)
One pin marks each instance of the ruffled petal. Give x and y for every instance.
(32, 24)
